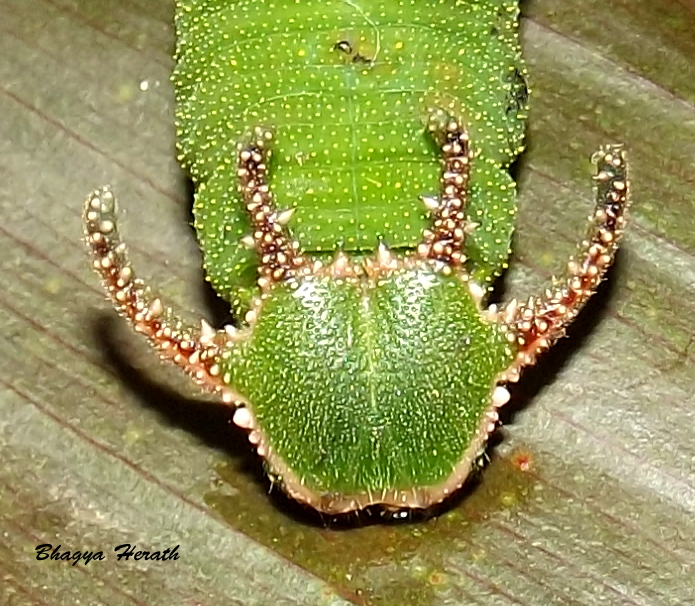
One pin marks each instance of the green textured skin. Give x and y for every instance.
(351, 154)
(370, 385)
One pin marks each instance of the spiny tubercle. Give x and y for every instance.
(536, 325)
(444, 240)
(195, 350)
(280, 259)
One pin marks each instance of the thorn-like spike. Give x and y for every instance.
(491, 313)
(477, 292)
(431, 203)
(470, 227)
(383, 254)
(207, 332)
(155, 308)
(510, 310)
(284, 217)
(340, 263)
(243, 418)
(500, 396)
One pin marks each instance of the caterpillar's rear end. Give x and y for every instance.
(312, 130)
(346, 86)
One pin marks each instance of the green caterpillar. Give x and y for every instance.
(353, 204)
(346, 88)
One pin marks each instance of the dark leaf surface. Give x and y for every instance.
(590, 494)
